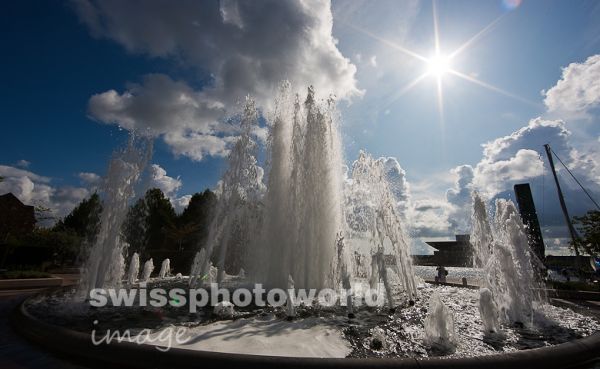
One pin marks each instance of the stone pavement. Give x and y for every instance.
(17, 353)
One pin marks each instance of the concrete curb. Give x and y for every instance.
(78, 345)
(574, 295)
(16, 284)
(452, 284)
(563, 294)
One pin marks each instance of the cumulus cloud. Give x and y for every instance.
(518, 156)
(170, 186)
(197, 145)
(497, 176)
(460, 194)
(89, 178)
(396, 177)
(37, 190)
(578, 90)
(430, 218)
(159, 179)
(238, 48)
(434, 217)
(158, 105)
(180, 203)
(515, 158)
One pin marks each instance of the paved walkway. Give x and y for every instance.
(17, 353)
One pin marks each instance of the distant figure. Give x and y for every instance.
(442, 273)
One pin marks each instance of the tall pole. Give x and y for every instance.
(572, 230)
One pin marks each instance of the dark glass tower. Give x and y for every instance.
(530, 219)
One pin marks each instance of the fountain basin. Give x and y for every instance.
(78, 345)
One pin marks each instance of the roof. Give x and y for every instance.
(461, 243)
(10, 198)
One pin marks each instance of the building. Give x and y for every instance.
(16, 218)
(530, 219)
(453, 253)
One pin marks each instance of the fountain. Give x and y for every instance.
(197, 266)
(501, 248)
(148, 269)
(373, 215)
(311, 228)
(165, 269)
(439, 326)
(134, 269)
(302, 204)
(488, 312)
(105, 264)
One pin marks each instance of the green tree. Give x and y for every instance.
(64, 246)
(180, 233)
(589, 227)
(84, 219)
(161, 216)
(145, 227)
(134, 227)
(198, 213)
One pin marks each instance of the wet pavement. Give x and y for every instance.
(17, 353)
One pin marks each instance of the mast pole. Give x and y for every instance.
(563, 205)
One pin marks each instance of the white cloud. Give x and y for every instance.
(244, 48)
(518, 156)
(169, 186)
(493, 177)
(373, 61)
(396, 177)
(197, 145)
(430, 218)
(8, 171)
(159, 105)
(460, 194)
(578, 90)
(180, 203)
(89, 178)
(508, 160)
(159, 179)
(33, 189)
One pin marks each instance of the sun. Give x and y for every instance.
(438, 65)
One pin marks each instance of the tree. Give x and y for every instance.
(43, 213)
(134, 227)
(589, 226)
(161, 216)
(198, 213)
(181, 233)
(84, 219)
(146, 224)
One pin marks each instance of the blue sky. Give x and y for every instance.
(60, 54)
(52, 69)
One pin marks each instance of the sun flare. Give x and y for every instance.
(438, 65)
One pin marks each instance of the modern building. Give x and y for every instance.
(530, 219)
(453, 253)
